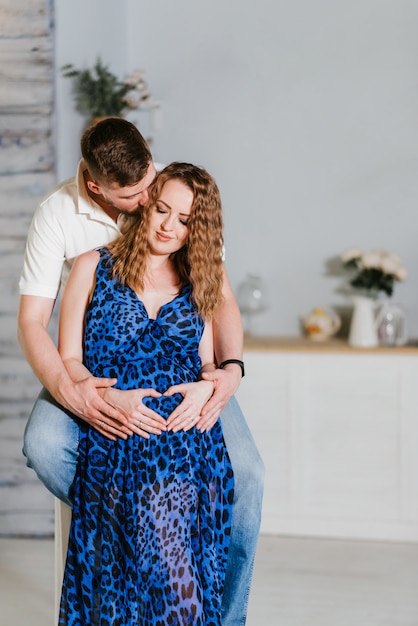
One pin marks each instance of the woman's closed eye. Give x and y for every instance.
(162, 210)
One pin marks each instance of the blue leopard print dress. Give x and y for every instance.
(151, 518)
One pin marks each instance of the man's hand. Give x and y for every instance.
(140, 419)
(187, 413)
(226, 383)
(85, 400)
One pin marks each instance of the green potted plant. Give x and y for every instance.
(99, 93)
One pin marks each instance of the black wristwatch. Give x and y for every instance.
(237, 361)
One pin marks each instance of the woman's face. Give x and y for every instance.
(169, 218)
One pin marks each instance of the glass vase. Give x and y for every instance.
(251, 297)
(391, 327)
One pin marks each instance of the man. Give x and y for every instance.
(84, 213)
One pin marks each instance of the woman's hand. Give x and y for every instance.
(140, 419)
(187, 413)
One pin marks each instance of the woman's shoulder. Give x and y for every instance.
(87, 260)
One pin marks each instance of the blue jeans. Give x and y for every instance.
(51, 448)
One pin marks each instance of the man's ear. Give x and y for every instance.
(94, 187)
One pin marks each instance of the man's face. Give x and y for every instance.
(129, 199)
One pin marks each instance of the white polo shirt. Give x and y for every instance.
(67, 223)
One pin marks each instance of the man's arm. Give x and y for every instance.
(228, 341)
(81, 398)
(228, 332)
(41, 275)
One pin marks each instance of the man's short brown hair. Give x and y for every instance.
(115, 152)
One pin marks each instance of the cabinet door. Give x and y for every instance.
(264, 396)
(349, 437)
(409, 442)
(339, 437)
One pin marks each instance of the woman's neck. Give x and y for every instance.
(160, 272)
(161, 284)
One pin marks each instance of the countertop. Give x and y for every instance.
(294, 344)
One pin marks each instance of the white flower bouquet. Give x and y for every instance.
(374, 271)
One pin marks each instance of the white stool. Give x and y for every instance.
(62, 530)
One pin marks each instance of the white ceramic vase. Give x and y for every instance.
(363, 327)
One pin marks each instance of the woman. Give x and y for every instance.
(152, 513)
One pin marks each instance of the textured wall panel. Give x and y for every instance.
(26, 173)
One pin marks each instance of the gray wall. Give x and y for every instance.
(306, 113)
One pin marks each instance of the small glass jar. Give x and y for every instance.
(391, 327)
(251, 298)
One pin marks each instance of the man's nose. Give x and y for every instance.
(144, 197)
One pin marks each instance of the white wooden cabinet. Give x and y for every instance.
(338, 432)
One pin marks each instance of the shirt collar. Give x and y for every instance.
(86, 204)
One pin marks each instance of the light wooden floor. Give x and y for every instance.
(297, 582)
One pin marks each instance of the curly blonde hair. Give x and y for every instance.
(199, 262)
